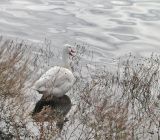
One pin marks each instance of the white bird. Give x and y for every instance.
(57, 81)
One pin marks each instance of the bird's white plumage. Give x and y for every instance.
(57, 80)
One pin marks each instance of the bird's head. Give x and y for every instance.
(70, 50)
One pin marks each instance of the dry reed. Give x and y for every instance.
(109, 106)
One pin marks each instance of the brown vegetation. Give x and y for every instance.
(109, 106)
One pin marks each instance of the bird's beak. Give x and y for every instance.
(72, 52)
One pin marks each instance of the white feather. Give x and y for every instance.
(57, 80)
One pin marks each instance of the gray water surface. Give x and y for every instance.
(111, 28)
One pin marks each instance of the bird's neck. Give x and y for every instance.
(65, 59)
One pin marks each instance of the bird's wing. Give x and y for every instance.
(61, 78)
(57, 79)
(45, 80)
(63, 83)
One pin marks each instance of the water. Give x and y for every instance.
(111, 28)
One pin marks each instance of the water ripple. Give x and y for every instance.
(121, 3)
(124, 37)
(145, 17)
(110, 28)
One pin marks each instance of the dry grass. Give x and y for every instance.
(13, 71)
(109, 106)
